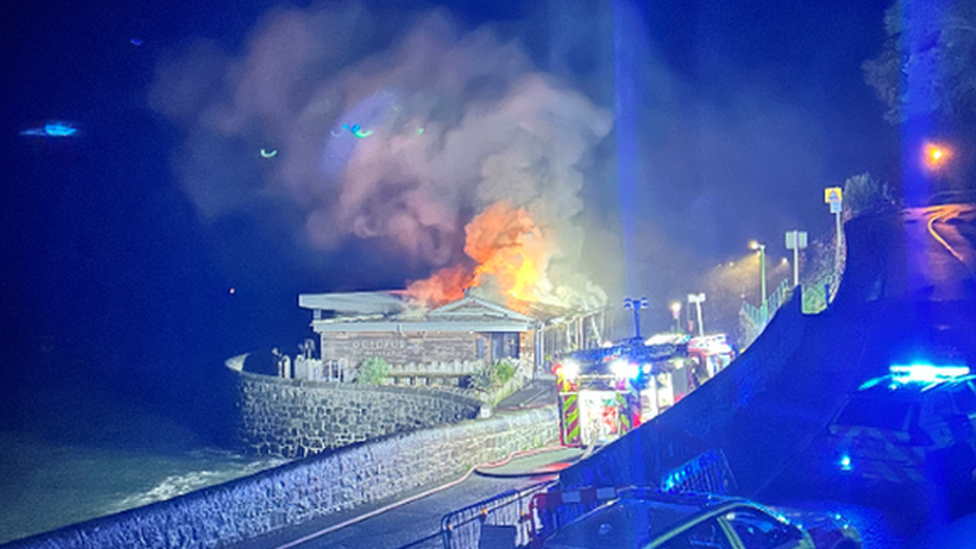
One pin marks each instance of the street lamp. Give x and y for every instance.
(698, 299)
(636, 305)
(762, 267)
(935, 155)
(676, 313)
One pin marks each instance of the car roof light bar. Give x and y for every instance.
(925, 372)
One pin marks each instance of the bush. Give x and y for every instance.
(505, 370)
(494, 375)
(373, 371)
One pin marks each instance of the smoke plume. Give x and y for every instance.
(397, 129)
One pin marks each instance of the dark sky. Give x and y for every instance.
(112, 276)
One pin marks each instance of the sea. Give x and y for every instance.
(46, 484)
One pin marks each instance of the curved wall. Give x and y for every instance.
(296, 418)
(307, 489)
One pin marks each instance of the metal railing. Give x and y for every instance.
(708, 472)
(506, 515)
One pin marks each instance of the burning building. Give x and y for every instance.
(443, 345)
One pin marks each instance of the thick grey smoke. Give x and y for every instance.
(403, 141)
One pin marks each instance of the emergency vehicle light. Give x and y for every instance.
(926, 372)
(624, 368)
(569, 369)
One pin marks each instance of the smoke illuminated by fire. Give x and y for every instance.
(453, 123)
(511, 256)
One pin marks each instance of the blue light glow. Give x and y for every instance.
(926, 372)
(845, 463)
(52, 129)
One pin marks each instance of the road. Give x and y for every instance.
(941, 240)
(404, 524)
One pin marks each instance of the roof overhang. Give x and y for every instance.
(500, 325)
(354, 302)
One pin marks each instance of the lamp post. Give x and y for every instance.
(762, 268)
(676, 313)
(835, 197)
(636, 305)
(698, 299)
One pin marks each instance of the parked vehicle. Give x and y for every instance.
(645, 518)
(916, 426)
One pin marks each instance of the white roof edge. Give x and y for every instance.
(499, 325)
(354, 302)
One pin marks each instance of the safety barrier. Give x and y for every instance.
(525, 518)
(503, 516)
(708, 472)
(550, 511)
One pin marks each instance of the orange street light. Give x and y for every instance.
(935, 155)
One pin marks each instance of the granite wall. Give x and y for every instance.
(307, 489)
(296, 418)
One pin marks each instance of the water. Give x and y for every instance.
(47, 485)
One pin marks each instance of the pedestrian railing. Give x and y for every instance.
(708, 472)
(502, 517)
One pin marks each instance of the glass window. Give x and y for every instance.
(706, 535)
(875, 412)
(966, 399)
(757, 530)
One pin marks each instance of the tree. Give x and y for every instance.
(928, 63)
(863, 194)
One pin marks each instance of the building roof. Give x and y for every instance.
(389, 312)
(355, 303)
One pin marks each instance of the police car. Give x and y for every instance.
(916, 425)
(648, 519)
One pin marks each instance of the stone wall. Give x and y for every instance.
(303, 490)
(295, 418)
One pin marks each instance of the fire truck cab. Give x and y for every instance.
(605, 393)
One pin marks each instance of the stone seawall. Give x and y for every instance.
(296, 418)
(311, 488)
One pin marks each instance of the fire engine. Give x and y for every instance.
(605, 393)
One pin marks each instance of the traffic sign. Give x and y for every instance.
(796, 240)
(833, 194)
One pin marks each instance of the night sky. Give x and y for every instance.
(121, 245)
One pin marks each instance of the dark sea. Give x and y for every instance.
(48, 484)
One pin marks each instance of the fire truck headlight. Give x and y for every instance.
(570, 369)
(624, 369)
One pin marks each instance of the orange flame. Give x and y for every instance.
(511, 253)
(444, 286)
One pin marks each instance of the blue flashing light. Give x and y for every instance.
(926, 372)
(845, 463)
(59, 129)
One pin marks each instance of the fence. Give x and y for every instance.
(708, 472)
(525, 518)
(505, 516)
(774, 301)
